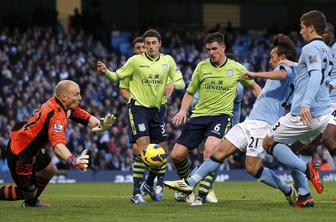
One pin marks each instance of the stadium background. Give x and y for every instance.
(44, 41)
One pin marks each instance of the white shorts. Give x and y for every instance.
(332, 119)
(290, 128)
(248, 137)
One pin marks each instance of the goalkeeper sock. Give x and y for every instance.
(10, 192)
(182, 168)
(139, 169)
(205, 184)
(41, 183)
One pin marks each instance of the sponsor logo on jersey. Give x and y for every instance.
(229, 73)
(312, 59)
(165, 67)
(144, 66)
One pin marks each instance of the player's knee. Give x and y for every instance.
(29, 192)
(252, 169)
(329, 141)
(177, 156)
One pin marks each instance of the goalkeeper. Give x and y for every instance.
(29, 163)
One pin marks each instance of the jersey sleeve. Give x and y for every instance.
(195, 81)
(79, 115)
(57, 129)
(124, 83)
(312, 58)
(240, 71)
(125, 71)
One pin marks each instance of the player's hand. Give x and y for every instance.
(179, 118)
(105, 123)
(169, 89)
(80, 162)
(305, 115)
(101, 67)
(248, 75)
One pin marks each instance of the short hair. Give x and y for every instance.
(152, 33)
(316, 19)
(137, 40)
(214, 37)
(330, 28)
(285, 46)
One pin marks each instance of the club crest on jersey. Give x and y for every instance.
(312, 59)
(164, 67)
(57, 128)
(142, 127)
(229, 73)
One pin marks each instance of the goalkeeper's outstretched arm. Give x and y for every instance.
(80, 162)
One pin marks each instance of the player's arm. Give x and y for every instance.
(124, 89)
(275, 75)
(79, 162)
(125, 71)
(256, 89)
(176, 76)
(181, 116)
(312, 58)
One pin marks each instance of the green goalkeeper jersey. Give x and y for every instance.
(216, 87)
(148, 78)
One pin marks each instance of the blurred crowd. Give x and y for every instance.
(33, 60)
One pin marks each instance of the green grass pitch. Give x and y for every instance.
(238, 201)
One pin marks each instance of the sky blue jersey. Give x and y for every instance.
(314, 70)
(275, 97)
(333, 73)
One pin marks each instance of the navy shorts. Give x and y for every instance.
(198, 129)
(163, 111)
(145, 121)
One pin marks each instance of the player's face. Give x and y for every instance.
(152, 46)
(216, 52)
(305, 32)
(275, 58)
(72, 97)
(327, 36)
(139, 48)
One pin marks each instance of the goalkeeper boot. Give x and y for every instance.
(179, 185)
(138, 199)
(211, 197)
(150, 191)
(304, 201)
(292, 196)
(35, 203)
(313, 175)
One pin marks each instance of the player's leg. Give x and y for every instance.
(11, 192)
(329, 139)
(138, 133)
(46, 170)
(287, 130)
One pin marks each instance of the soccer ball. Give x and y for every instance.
(154, 155)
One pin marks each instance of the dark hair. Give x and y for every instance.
(136, 40)
(214, 37)
(152, 33)
(316, 19)
(330, 28)
(285, 46)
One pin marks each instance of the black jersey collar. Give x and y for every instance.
(60, 104)
(332, 43)
(316, 39)
(226, 60)
(148, 57)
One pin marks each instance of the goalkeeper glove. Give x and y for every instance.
(105, 123)
(80, 162)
